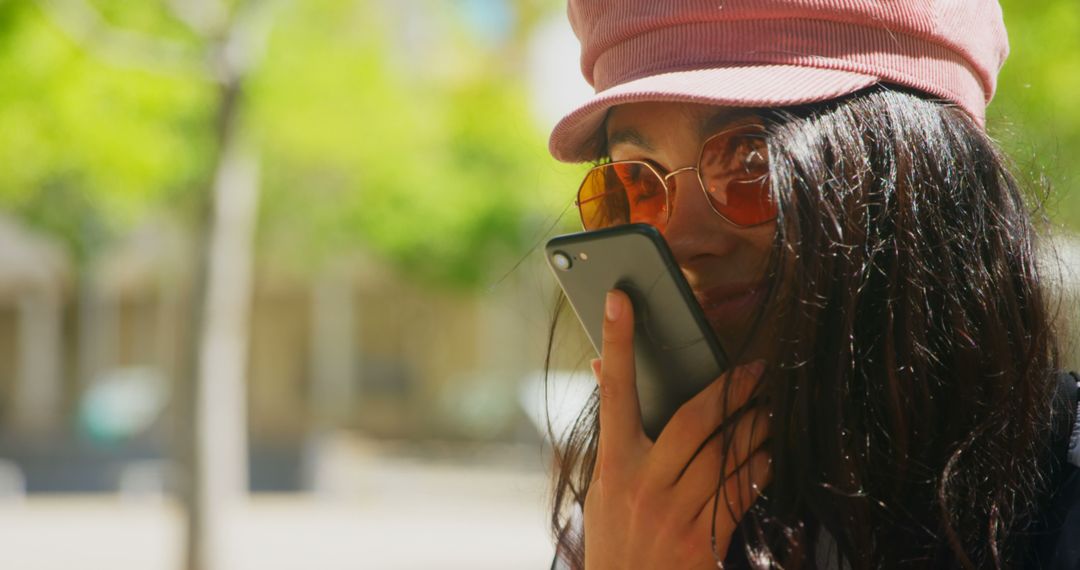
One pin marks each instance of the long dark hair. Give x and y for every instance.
(911, 386)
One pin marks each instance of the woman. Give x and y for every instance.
(821, 173)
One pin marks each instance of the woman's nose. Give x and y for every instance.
(692, 226)
(687, 204)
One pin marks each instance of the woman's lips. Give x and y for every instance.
(727, 303)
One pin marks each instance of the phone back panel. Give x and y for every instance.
(676, 353)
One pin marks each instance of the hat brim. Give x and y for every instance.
(574, 137)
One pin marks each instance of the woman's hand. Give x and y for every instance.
(643, 510)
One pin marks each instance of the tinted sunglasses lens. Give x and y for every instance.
(622, 193)
(735, 171)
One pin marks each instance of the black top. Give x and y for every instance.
(1056, 544)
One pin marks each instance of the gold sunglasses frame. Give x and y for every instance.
(664, 180)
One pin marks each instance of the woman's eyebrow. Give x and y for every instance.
(628, 136)
(723, 118)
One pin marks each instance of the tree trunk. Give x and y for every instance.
(216, 437)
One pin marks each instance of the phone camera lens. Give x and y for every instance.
(561, 261)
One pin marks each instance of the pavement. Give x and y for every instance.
(395, 514)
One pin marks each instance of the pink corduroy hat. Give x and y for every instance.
(770, 53)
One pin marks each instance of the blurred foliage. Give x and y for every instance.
(424, 148)
(387, 126)
(1036, 112)
(88, 147)
(397, 127)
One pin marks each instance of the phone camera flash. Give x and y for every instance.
(583, 256)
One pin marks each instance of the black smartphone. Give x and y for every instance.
(676, 352)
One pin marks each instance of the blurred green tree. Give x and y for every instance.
(89, 143)
(428, 158)
(1035, 114)
(419, 143)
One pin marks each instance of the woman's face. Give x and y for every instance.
(724, 264)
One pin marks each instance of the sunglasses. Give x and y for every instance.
(733, 169)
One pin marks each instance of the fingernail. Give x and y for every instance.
(612, 306)
(756, 367)
(595, 365)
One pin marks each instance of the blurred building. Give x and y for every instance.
(35, 278)
(89, 360)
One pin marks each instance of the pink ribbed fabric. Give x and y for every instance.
(765, 53)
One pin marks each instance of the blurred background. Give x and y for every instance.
(270, 285)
